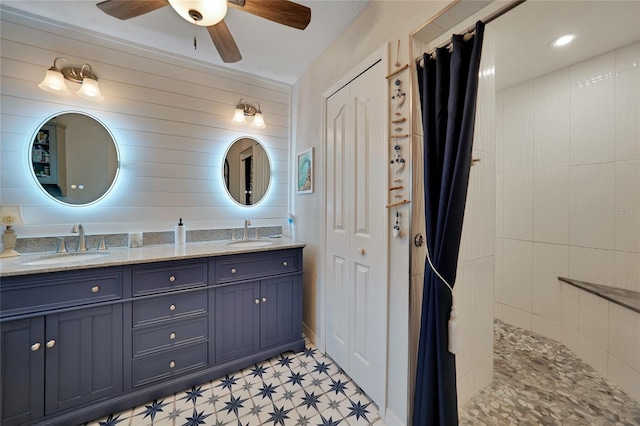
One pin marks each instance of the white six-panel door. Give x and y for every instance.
(356, 256)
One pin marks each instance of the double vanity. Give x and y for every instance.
(86, 335)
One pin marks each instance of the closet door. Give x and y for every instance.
(356, 273)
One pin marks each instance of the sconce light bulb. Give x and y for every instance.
(238, 115)
(53, 82)
(90, 90)
(258, 121)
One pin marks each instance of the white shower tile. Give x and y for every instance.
(517, 94)
(593, 69)
(467, 341)
(499, 262)
(624, 377)
(518, 137)
(499, 138)
(464, 387)
(627, 270)
(624, 335)
(547, 327)
(627, 206)
(552, 82)
(593, 122)
(570, 308)
(549, 262)
(497, 311)
(518, 205)
(594, 319)
(592, 197)
(593, 355)
(517, 274)
(485, 129)
(499, 205)
(628, 57)
(551, 205)
(482, 293)
(516, 317)
(482, 375)
(570, 339)
(551, 130)
(592, 265)
(627, 113)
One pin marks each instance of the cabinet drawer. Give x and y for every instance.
(163, 278)
(50, 291)
(171, 364)
(169, 307)
(252, 266)
(177, 333)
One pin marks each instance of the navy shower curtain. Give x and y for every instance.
(448, 90)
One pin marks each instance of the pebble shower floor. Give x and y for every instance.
(298, 389)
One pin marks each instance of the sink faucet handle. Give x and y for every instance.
(102, 245)
(62, 248)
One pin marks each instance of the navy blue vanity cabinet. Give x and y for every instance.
(254, 314)
(170, 320)
(67, 351)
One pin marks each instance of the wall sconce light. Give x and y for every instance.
(53, 81)
(244, 109)
(10, 216)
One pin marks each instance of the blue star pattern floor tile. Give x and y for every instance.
(292, 389)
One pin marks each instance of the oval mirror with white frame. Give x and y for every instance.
(74, 158)
(246, 171)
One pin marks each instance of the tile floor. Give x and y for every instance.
(297, 389)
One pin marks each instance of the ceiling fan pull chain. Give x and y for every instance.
(195, 42)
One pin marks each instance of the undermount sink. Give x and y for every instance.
(250, 243)
(59, 258)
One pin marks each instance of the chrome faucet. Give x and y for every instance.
(78, 229)
(247, 222)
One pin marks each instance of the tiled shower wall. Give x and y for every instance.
(568, 204)
(475, 276)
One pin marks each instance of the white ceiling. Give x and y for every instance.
(268, 49)
(523, 35)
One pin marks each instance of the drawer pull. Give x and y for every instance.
(95, 288)
(285, 263)
(172, 336)
(264, 300)
(172, 307)
(35, 346)
(51, 343)
(172, 364)
(257, 301)
(172, 278)
(233, 270)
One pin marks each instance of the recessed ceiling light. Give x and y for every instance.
(563, 40)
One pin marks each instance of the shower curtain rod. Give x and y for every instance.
(469, 31)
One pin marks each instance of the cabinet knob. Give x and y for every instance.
(172, 336)
(285, 263)
(172, 278)
(95, 288)
(361, 251)
(172, 364)
(257, 301)
(233, 270)
(264, 300)
(172, 307)
(51, 343)
(35, 346)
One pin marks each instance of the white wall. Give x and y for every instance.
(171, 118)
(568, 204)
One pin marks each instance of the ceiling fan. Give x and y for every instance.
(210, 14)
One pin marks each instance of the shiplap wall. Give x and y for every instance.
(171, 118)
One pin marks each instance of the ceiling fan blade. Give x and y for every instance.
(224, 42)
(281, 11)
(125, 9)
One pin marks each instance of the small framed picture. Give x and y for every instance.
(305, 172)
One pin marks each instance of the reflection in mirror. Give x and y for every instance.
(246, 171)
(74, 158)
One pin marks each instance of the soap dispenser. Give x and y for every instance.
(180, 233)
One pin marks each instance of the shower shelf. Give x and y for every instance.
(626, 298)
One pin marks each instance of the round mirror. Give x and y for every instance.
(74, 158)
(246, 171)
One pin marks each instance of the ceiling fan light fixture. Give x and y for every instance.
(204, 13)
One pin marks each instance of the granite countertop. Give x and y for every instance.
(22, 265)
(627, 298)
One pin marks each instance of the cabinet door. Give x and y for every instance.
(237, 320)
(279, 316)
(22, 365)
(83, 356)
